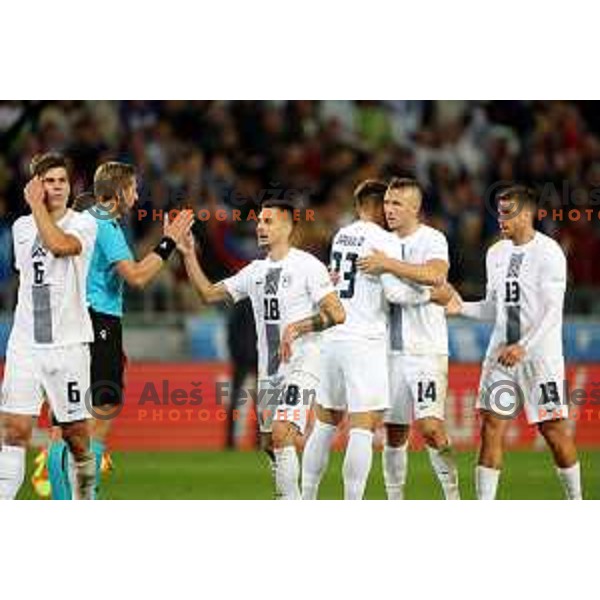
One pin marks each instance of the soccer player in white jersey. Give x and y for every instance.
(48, 354)
(418, 343)
(293, 301)
(354, 373)
(524, 365)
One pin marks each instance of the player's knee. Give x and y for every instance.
(433, 433)
(492, 428)
(76, 436)
(555, 433)
(16, 430)
(360, 423)
(284, 434)
(396, 435)
(434, 438)
(329, 416)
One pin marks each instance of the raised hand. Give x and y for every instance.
(34, 192)
(180, 227)
(187, 245)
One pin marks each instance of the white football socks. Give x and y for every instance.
(395, 463)
(486, 482)
(287, 472)
(571, 481)
(357, 463)
(12, 471)
(316, 458)
(444, 465)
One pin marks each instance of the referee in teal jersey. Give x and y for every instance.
(112, 265)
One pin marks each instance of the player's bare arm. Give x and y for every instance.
(331, 313)
(432, 272)
(483, 310)
(210, 293)
(53, 237)
(443, 294)
(454, 306)
(139, 273)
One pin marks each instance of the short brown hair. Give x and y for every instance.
(41, 163)
(521, 193)
(369, 189)
(111, 178)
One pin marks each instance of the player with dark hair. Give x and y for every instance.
(524, 365)
(293, 301)
(48, 350)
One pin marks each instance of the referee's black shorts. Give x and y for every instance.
(107, 360)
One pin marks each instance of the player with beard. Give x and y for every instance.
(293, 302)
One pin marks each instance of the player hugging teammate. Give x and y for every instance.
(526, 281)
(373, 349)
(388, 361)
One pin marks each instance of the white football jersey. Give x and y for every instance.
(421, 328)
(362, 295)
(51, 304)
(282, 292)
(518, 278)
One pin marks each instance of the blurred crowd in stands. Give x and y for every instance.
(230, 155)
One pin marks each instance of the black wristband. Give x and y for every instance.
(165, 247)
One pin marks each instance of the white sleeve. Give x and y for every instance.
(15, 235)
(552, 294)
(484, 310)
(84, 229)
(238, 285)
(398, 292)
(318, 281)
(437, 248)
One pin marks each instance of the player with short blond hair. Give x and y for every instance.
(418, 342)
(354, 364)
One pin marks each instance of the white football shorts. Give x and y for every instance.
(289, 395)
(59, 374)
(536, 385)
(353, 375)
(418, 387)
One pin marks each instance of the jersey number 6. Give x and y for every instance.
(38, 272)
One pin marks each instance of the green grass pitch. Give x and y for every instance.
(245, 475)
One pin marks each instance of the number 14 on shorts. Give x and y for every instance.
(426, 391)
